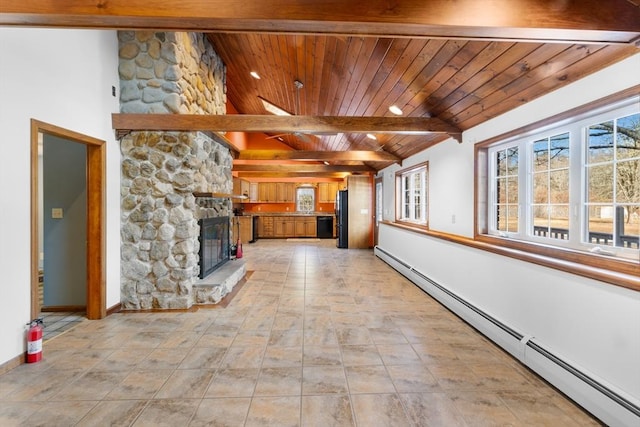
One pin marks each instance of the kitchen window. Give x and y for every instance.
(412, 186)
(305, 199)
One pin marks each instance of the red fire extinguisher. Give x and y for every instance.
(34, 341)
(239, 243)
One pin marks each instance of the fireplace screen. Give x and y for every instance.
(214, 244)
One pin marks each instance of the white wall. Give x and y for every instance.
(592, 324)
(61, 77)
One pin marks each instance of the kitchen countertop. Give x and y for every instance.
(319, 213)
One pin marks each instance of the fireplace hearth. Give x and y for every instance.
(214, 244)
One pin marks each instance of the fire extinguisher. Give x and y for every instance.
(34, 341)
(239, 243)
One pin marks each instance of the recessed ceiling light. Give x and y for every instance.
(395, 110)
(255, 75)
(371, 136)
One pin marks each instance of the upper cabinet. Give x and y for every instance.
(282, 192)
(285, 192)
(327, 191)
(267, 192)
(240, 187)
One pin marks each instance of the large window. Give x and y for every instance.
(412, 190)
(574, 185)
(613, 181)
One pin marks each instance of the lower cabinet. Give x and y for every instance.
(287, 226)
(265, 226)
(245, 224)
(305, 226)
(283, 226)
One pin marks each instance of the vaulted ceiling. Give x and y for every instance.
(456, 64)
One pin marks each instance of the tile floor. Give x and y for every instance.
(56, 322)
(317, 336)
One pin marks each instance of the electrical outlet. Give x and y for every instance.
(113, 91)
(56, 213)
(453, 219)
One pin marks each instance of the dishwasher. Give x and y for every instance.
(324, 227)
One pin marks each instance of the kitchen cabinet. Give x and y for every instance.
(327, 191)
(305, 226)
(245, 224)
(253, 192)
(283, 226)
(265, 226)
(267, 192)
(241, 187)
(285, 192)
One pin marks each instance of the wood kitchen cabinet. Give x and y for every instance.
(305, 226)
(285, 192)
(283, 226)
(327, 191)
(265, 226)
(253, 192)
(267, 192)
(240, 187)
(245, 224)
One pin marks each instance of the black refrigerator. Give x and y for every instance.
(342, 219)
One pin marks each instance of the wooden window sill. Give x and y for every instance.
(619, 272)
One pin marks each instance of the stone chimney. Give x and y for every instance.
(169, 73)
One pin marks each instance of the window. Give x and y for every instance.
(613, 181)
(550, 186)
(412, 189)
(573, 185)
(305, 199)
(506, 190)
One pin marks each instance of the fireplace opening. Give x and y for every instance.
(214, 244)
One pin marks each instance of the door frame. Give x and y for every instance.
(96, 202)
(376, 220)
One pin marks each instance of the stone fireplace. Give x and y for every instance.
(171, 73)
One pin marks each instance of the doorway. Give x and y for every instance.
(94, 236)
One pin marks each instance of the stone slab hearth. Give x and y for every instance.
(215, 286)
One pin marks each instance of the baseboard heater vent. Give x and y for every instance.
(596, 397)
(629, 406)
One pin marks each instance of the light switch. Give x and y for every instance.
(56, 213)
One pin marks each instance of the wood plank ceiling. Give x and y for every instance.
(458, 63)
(462, 82)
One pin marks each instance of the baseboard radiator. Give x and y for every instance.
(608, 405)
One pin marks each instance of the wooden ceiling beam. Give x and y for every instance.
(282, 124)
(587, 21)
(340, 156)
(301, 167)
(270, 175)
